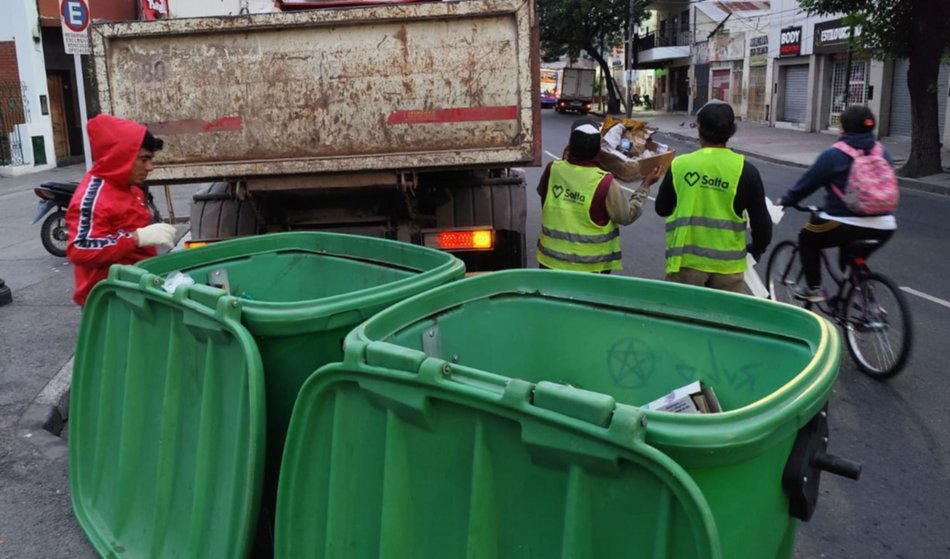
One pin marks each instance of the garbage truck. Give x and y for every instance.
(405, 120)
(577, 90)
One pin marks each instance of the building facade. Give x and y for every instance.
(40, 123)
(776, 65)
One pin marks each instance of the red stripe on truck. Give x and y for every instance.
(464, 114)
(196, 126)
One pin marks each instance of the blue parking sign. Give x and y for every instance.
(75, 15)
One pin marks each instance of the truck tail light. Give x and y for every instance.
(460, 239)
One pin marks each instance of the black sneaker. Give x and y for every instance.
(810, 294)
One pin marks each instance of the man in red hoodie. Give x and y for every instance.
(108, 219)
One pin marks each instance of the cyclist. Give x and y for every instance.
(835, 225)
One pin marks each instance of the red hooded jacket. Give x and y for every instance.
(106, 209)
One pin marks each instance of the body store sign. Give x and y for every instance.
(790, 41)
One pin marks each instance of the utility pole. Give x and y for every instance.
(628, 49)
(632, 58)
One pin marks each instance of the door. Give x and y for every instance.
(856, 88)
(720, 85)
(57, 111)
(702, 87)
(757, 93)
(680, 88)
(795, 93)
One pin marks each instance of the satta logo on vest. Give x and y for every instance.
(705, 181)
(569, 195)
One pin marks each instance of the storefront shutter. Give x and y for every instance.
(900, 99)
(796, 93)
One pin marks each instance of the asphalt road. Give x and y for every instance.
(900, 430)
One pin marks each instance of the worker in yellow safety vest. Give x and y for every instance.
(582, 207)
(707, 198)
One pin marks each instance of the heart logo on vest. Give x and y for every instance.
(691, 178)
(558, 189)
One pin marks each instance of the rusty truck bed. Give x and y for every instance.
(392, 87)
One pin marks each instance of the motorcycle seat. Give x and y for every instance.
(66, 187)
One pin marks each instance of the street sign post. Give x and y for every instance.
(75, 18)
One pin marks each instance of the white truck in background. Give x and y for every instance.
(401, 120)
(577, 90)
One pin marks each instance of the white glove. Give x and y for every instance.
(156, 234)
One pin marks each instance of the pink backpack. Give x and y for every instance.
(872, 185)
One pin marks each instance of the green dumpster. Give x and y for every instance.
(496, 417)
(186, 396)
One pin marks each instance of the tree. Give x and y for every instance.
(918, 30)
(569, 27)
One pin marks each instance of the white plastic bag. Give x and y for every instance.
(613, 136)
(175, 279)
(752, 280)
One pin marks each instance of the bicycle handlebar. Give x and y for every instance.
(799, 207)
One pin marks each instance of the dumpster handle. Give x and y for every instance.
(837, 465)
(806, 462)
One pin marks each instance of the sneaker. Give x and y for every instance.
(810, 294)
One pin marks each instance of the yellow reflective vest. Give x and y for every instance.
(704, 232)
(569, 239)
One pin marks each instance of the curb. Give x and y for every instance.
(921, 186)
(908, 183)
(748, 153)
(47, 414)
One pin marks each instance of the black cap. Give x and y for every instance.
(717, 122)
(584, 143)
(857, 119)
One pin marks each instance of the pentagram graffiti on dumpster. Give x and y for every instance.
(631, 363)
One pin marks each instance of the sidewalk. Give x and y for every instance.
(791, 147)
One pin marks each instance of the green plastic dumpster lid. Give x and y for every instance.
(773, 366)
(445, 461)
(166, 427)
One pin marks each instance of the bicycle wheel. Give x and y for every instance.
(784, 272)
(877, 326)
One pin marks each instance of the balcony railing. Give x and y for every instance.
(652, 40)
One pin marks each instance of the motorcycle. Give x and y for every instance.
(55, 196)
(53, 232)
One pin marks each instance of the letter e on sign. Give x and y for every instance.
(74, 15)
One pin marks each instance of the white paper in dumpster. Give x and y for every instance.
(695, 397)
(751, 277)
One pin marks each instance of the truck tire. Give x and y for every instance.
(216, 214)
(499, 202)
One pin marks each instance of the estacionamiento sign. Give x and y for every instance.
(832, 36)
(74, 17)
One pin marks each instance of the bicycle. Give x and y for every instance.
(868, 306)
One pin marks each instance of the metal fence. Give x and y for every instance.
(12, 113)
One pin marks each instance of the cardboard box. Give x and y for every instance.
(695, 397)
(662, 160)
(619, 166)
(629, 170)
